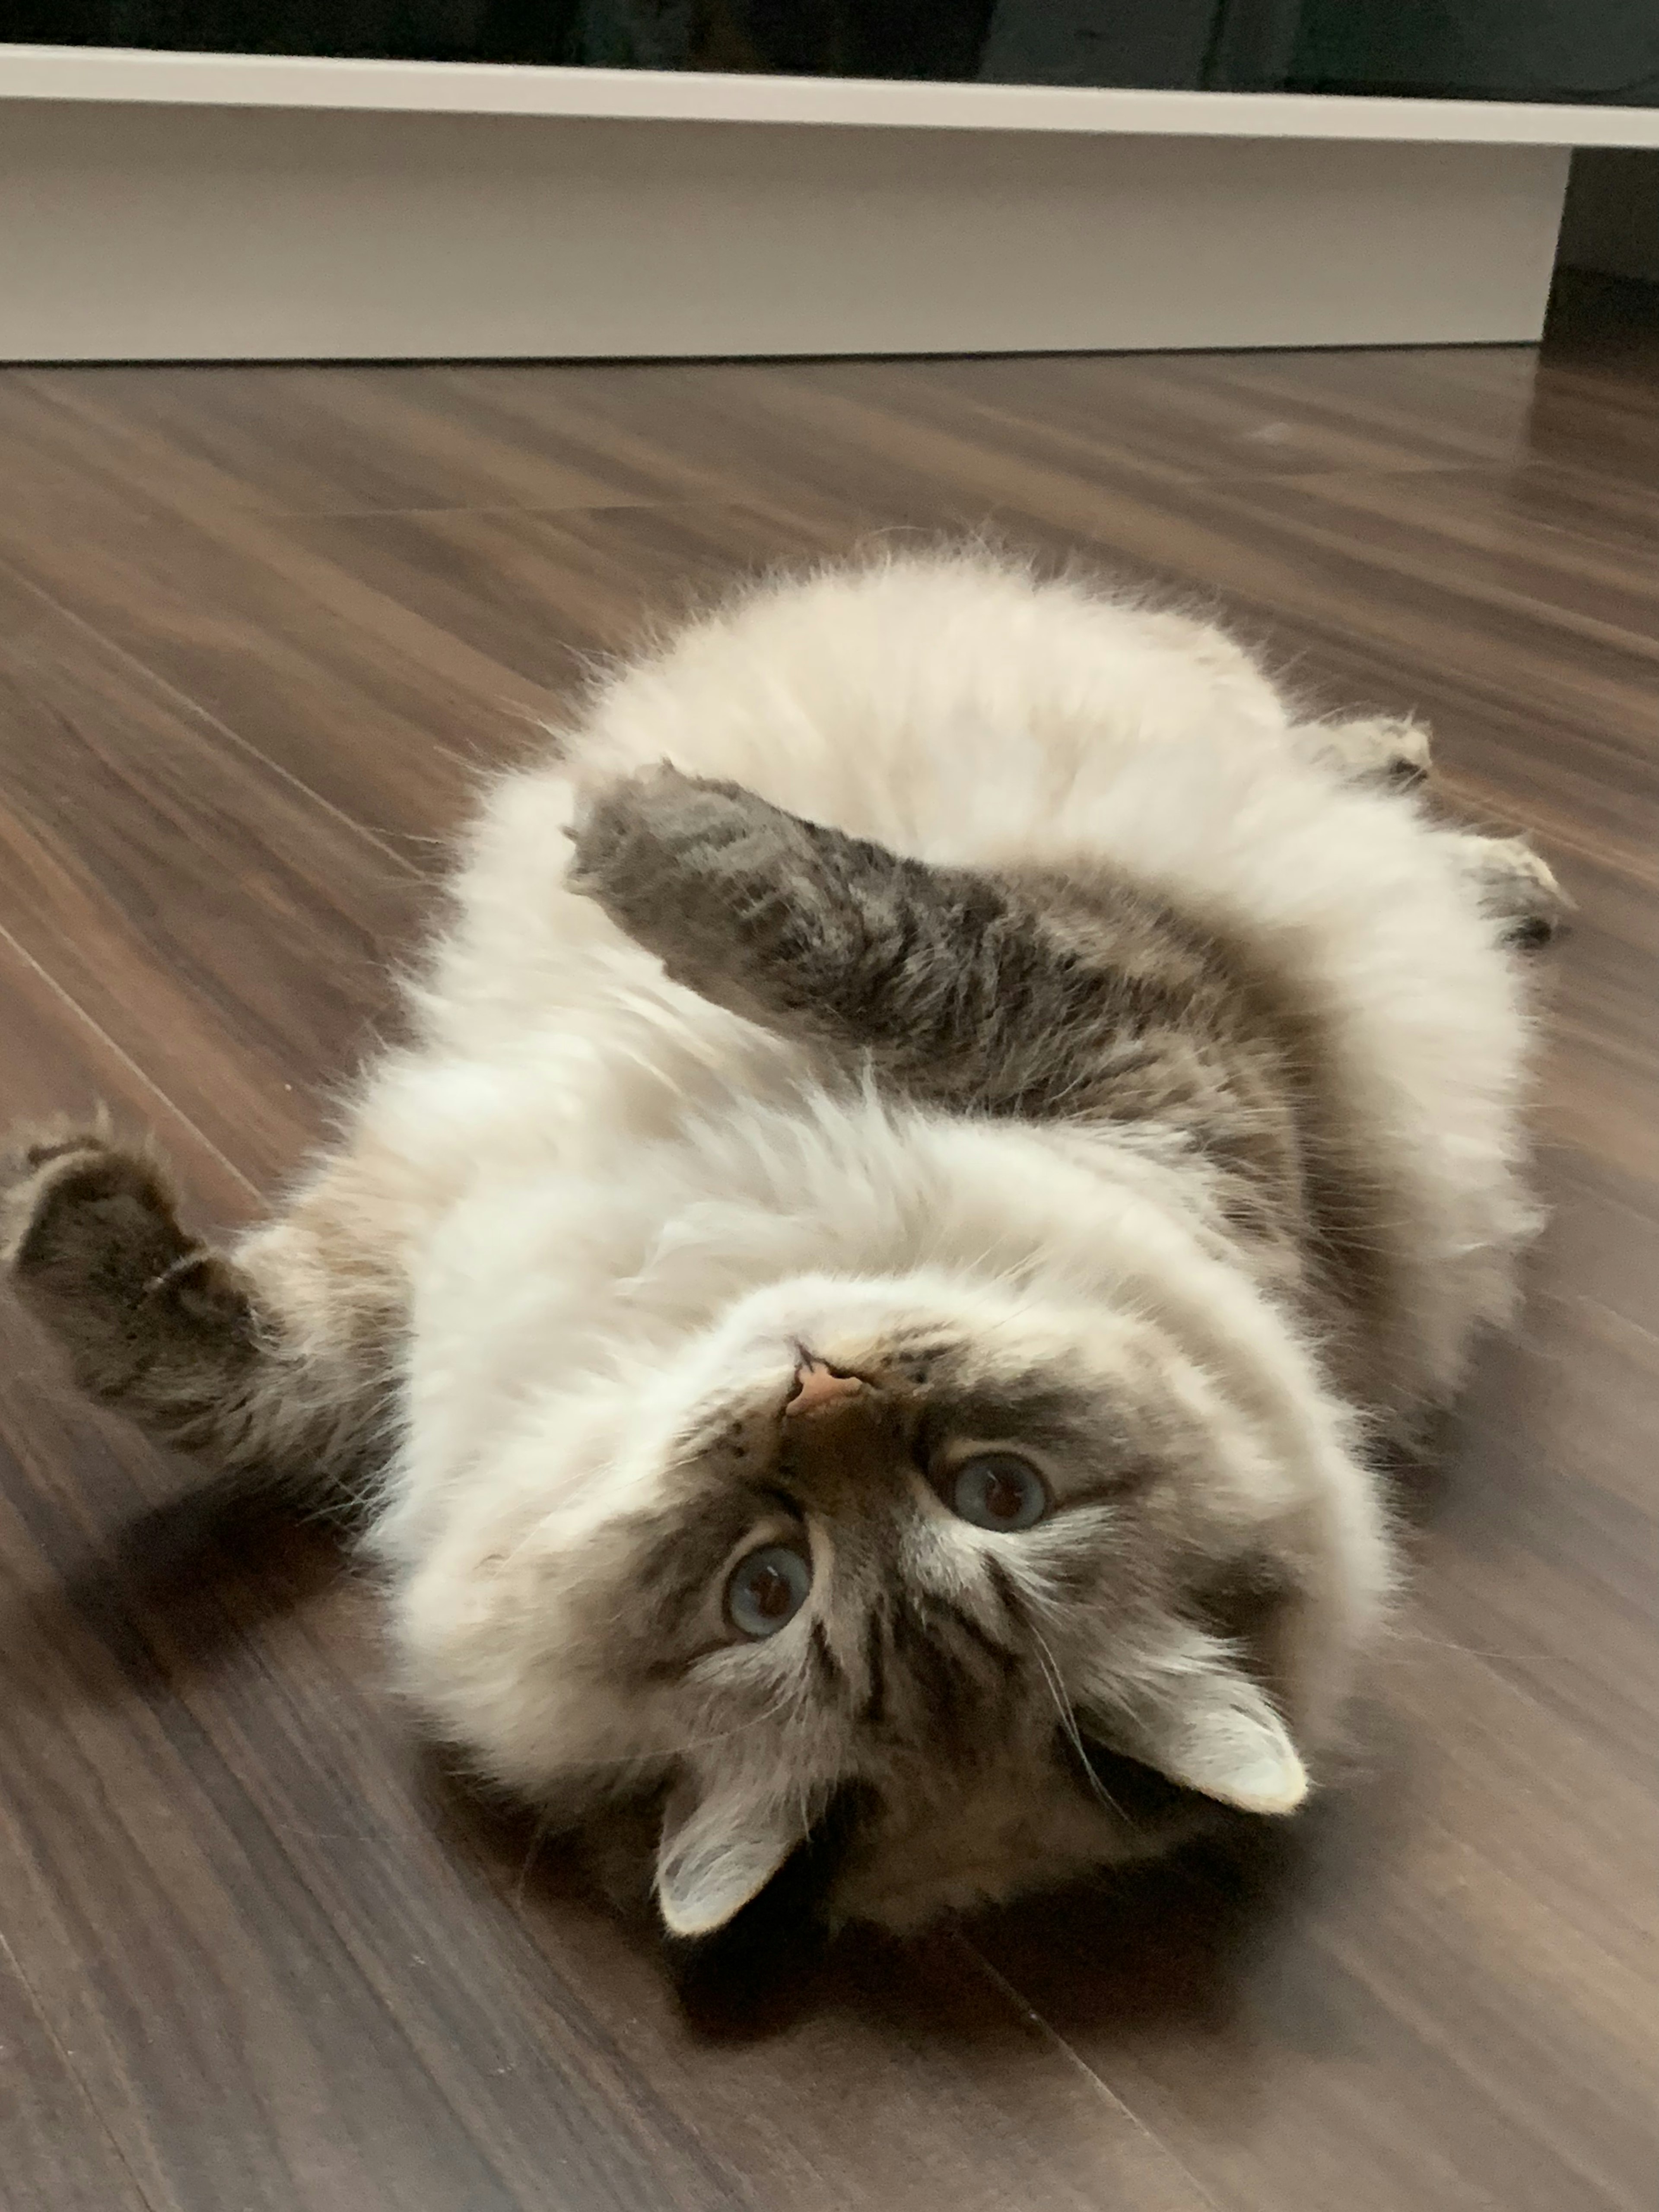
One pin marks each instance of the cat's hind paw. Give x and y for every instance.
(1517, 887)
(1389, 749)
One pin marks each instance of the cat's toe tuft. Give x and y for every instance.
(1517, 887)
(80, 1214)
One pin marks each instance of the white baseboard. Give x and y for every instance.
(183, 229)
(129, 75)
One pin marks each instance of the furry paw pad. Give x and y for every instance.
(660, 816)
(90, 1237)
(688, 867)
(1385, 748)
(78, 1212)
(1406, 753)
(1518, 889)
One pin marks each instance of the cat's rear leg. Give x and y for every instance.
(1515, 886)
(204, 1350)
(1378, 748)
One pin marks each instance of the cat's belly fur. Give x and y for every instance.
(956, 712)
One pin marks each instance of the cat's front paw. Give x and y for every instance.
(86, 1224)
(89, 1238)
(691, 869)
(631, 835)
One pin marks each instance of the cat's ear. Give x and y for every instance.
(720, 1846)
(1208, 1726)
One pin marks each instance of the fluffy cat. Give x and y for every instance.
(866, 1302)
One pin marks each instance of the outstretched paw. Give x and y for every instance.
(90, 1238)
(81, 1215)
(703, 874)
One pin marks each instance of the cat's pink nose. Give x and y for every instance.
(817, 1386)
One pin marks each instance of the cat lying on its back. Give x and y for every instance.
(945, 1124)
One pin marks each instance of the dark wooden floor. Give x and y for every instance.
(258, 630)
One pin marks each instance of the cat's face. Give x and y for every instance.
(1024, 1583)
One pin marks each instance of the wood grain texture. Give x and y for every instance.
(259, 631)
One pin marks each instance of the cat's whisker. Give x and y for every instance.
(788, 1704)
(541, 1830)
(1049, 1668)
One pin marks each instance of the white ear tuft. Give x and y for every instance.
(717, 1851)
(1215, 1730)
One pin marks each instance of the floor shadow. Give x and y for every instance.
(169, 1591)
(1172, 1943)
(1156, 1944)
(164, 1593)
(772, 1967)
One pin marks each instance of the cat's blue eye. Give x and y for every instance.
(998, 1491)
(767, 1589)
